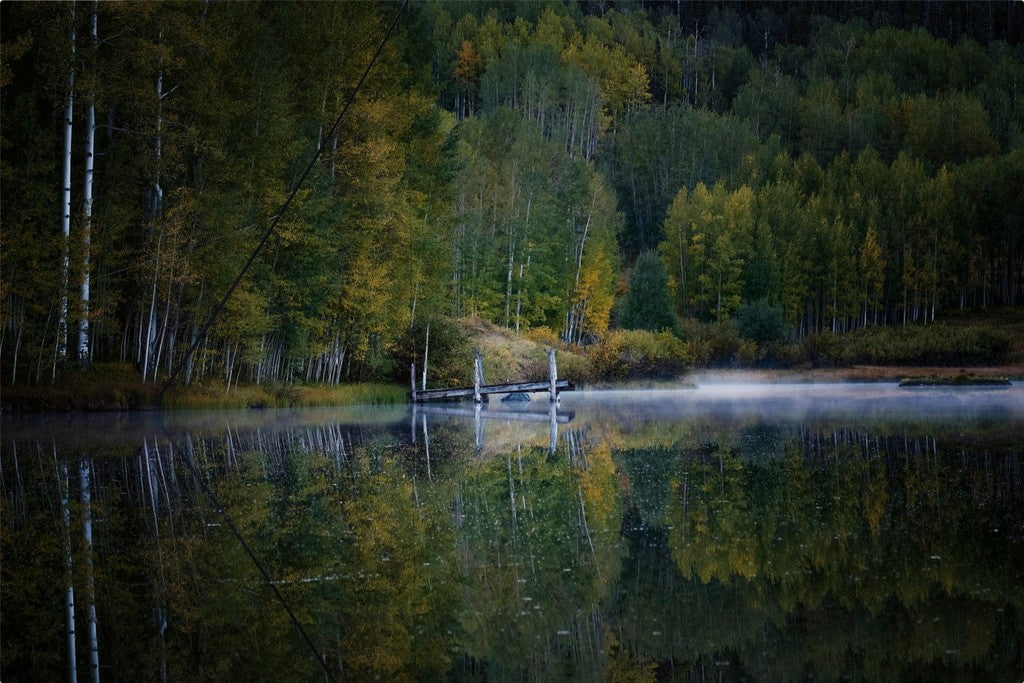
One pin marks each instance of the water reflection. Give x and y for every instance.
(690, 535)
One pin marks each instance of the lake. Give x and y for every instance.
(729, 532)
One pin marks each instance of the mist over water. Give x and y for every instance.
(728, 531)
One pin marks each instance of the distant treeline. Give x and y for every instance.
(837, 165)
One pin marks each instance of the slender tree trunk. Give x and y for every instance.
(163, 330)
(65, 220)
(151, 326)
(426, 349)
(415, 296)
(154, 209)
(69, 594)
(94, 650)
(519, 297)
(90, 145)
(17, 347)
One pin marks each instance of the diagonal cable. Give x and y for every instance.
(279, 215)
(210, 496)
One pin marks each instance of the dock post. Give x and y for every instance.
(553, 372)
(552, 429)
(478, 375)
(412, 377)
(479, 424)
(412, 422)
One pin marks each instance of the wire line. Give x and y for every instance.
(280, 213)
(187, 459)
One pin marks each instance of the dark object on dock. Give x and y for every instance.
(961, 380)
(480, 391)
(516, 397)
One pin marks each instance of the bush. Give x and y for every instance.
(748, 354)
(927, 345)
(719, 344)
(787, 355)
(826, 350)
(543, 335)
(761, 322)
(640, 354)
(914, 345)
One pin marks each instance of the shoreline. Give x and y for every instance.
(313, 396)
(854, 373)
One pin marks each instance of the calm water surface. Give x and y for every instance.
(726, 533)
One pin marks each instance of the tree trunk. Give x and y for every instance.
(426, 349)
(90, 145)
(69, 594)
(94, 650)
(65, 220)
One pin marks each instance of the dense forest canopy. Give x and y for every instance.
(832, 165)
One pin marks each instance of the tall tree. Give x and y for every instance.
(647, 305)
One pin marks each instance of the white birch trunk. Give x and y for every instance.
(426, 350)
(90, 146)
(151, 327)
(65, 218)
(69, 595)
(94, 649)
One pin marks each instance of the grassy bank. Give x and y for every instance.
(284, 396)
(854, 373)
(958, 380)
(991, 346)
(118, 386)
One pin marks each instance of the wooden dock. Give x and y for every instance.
(480, 412)
(480, 391)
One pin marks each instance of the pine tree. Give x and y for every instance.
(647, 305)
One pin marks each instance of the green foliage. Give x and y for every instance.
(912, 345)
(640, 354)
(647, 305)
(760, 322)
(449, 358)
(933, 345)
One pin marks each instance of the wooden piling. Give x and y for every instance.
(552, 428)
(553, 372)
(481, 391)
(412, 378)
(478, 376)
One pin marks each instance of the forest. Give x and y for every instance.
(794, 177)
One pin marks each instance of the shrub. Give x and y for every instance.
(787, 355)
(927, 345)
(640, 354)
(761, 322)
(825, 350)
(748, 354)
(543, 335)
(721, 343)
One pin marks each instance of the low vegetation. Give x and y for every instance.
(958, 380)
(119, 386)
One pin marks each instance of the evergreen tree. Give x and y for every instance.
(647, 305)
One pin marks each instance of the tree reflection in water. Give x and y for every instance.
(439, 544)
